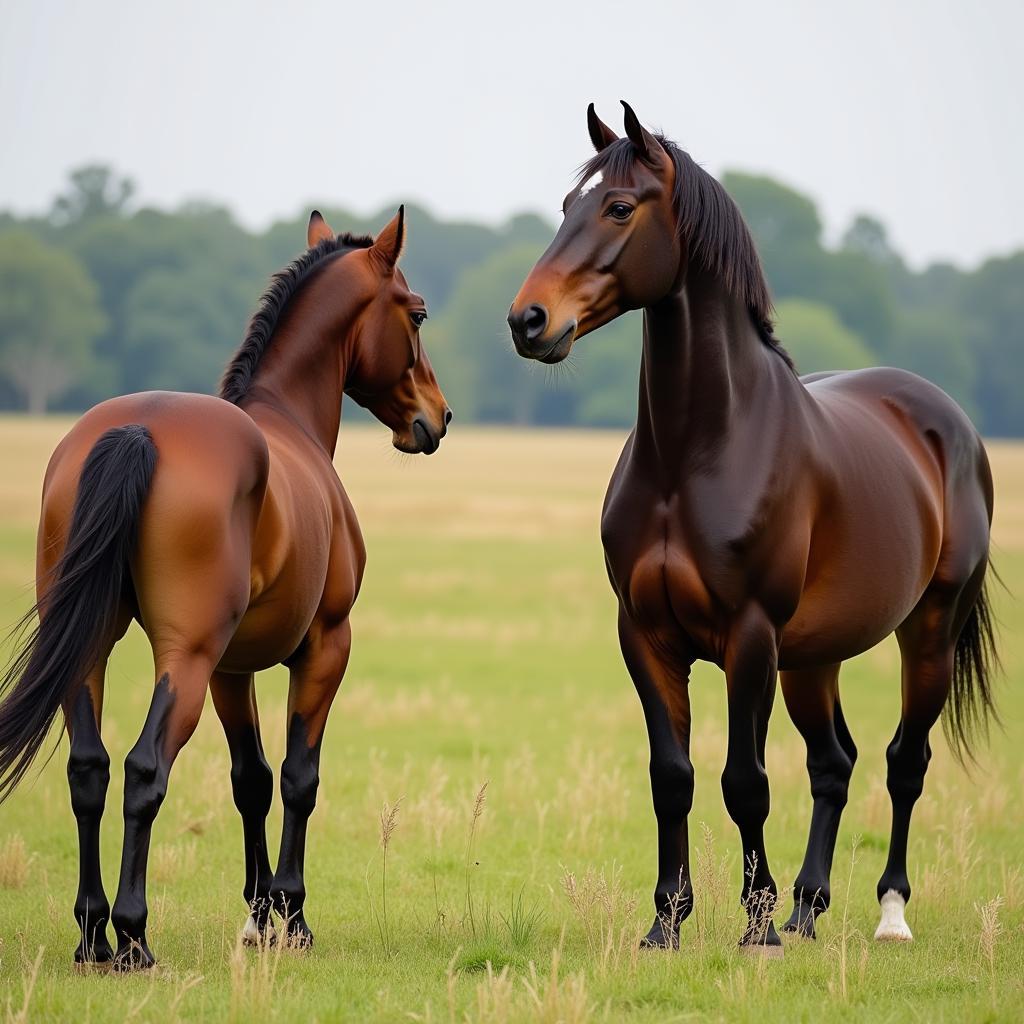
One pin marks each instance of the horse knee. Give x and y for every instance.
(252, 786)
(830, 777)
(746, 794)
(906, 769)
(88, 778)
(300, 780)
(672, 786)
(145, 785)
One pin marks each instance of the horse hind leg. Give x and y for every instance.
(173, 716)
(88, 778)
(252, 786)
(812, 699)
(315, 678)
(927, 642)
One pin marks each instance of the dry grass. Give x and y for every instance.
(14, 862)
(485, 649)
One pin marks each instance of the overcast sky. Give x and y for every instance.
(908, 110)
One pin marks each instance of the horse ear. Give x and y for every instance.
(649, 148)
(319, 230)
(388, 245)
(600, 134)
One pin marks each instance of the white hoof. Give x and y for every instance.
(251, 934)
(893, 926)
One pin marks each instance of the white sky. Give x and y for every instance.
(907, 110)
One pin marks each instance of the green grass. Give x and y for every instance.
(485, 651)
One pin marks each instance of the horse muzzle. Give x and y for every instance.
(533, 337)
(422, 437)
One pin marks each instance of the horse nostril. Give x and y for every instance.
(447, 417)
(535, 319)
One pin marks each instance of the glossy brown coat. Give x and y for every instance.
(759, 520)
(248, 554)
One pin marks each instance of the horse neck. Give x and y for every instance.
(302, 374)
(706, 376)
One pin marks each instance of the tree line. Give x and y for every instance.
(101, 297)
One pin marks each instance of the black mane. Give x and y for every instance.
(716, 235)
(238, 375)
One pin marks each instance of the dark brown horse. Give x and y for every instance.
(763, 521)
(221, 526)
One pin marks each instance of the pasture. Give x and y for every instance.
(488, 729)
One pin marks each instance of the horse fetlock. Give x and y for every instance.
(93, 947)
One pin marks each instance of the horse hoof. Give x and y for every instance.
(800, 924)
(252, 936)
(298, 937)
(893, 927)
(763, 942)
(660, 937)
(760, 949)
(94, 966)
(97, 959)
(133, 957)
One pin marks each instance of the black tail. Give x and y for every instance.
(78, 607)
(970, 705)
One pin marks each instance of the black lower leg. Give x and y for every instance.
(88, 777)
(747, 800)
(751, 679)
(146, 770)
(908, 756)
(300, 778)
(830, 767)
(252, 784)
(672, 790)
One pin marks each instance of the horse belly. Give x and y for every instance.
(268, 634)
(864, 587)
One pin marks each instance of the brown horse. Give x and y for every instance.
(220, 525)
(763, 521)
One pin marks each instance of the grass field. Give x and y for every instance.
(485, 655)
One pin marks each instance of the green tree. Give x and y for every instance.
(93, 191)
(859, 290)
(472, 350)
(817, 340)
(207, 274)
(868, 237)
(992, 300)
(49, 319)
(934, 344)
(786, 228)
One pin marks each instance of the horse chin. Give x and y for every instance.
(561, 348)
(417, 440)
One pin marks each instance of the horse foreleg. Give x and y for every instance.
(812, 699)
(665, 698)
(750, 667)
(315, 678)
(252, 786)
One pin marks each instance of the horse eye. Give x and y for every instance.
(417, 317)
(620, 211)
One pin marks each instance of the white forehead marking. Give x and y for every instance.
(591, 183)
